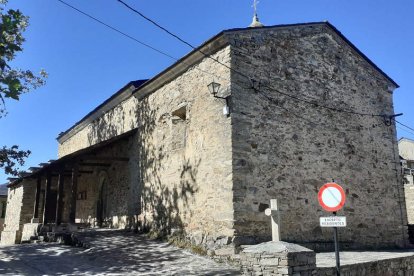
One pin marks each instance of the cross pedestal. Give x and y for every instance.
(273, 213)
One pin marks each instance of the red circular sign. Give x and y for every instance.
(331, 197)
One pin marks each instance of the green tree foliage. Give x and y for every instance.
(13, 81)
(11, 157)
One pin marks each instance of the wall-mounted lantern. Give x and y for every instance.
(214, 88)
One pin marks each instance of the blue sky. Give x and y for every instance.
(87, 62)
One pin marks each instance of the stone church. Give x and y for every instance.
(200, 149)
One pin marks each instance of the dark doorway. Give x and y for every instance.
(51, 206)
(411, 233)
(101, 205)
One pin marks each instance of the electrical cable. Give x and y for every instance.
(118, 31)
(242, 74)
(156, 24)
(131, 37)
(412, 133)
(214, 59)
(167, 55)
(174, 35)
(410, 128)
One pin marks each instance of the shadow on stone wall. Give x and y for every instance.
(107, 126)
(170, 204)
(164, 205)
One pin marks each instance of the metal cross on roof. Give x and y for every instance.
(255, 22)
(255, 3)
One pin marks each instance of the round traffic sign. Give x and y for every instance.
(331, 197)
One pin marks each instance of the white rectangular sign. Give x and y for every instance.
(332, 221)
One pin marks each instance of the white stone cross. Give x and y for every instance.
(273, 212)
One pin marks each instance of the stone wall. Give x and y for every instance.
(406, 149)
(116, 121)
(20, 202)
(192, 168)
(179, 172)
(387, 267)
(86, 199)
(281, 258)
(3, 208)
(409, 199)
(184, 149)
(287, 149)
(10, 233)
(278, 258)
(109, 183)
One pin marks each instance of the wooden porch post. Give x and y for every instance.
(59, 204)
(47, 197)
(35, 218)
(72, 214)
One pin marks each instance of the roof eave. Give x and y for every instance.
(332, 27)
(209, 47)
(219, 41)
(121, 95)
(205, 50)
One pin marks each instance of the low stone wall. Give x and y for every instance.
(11, 233)
(10, 237)
(278, 258)
(29, 230)
(19, 211)
(282, 258)
(409, 199)
(389, 267)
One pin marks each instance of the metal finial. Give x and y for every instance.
(255, 3)
(255, 22)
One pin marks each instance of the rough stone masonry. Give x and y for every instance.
(193, 169)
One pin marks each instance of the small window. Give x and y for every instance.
(179, 128)
(180, 113)
(82, 195)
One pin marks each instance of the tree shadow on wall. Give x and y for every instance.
(163, 203)
(108, 126)
(167, 189)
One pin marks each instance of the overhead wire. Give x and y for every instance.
(214, 59)
(404, 125)
(407, 131)
(155, 23)
(131, 37)
(117, 30)
(176, 59)
(242, 74)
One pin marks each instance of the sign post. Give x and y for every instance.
(338, 262)
(331, 197)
